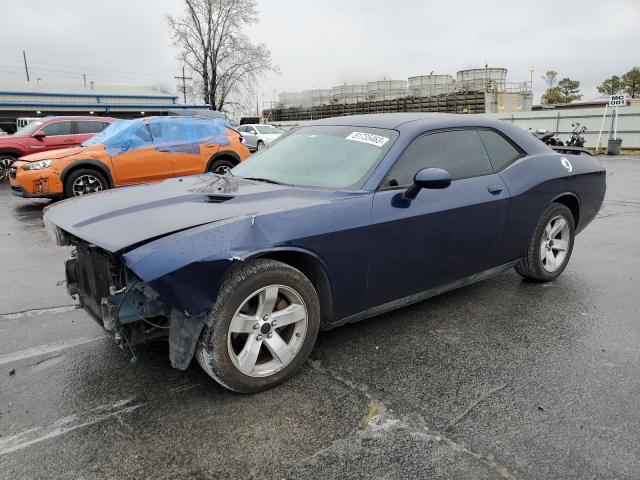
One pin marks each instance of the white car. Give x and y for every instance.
(258, 136)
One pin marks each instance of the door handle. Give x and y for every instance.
(495, 189)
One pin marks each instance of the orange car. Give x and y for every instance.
(130, 152)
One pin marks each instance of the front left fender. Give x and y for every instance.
(186, 268)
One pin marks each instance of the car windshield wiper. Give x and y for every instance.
(267, 180)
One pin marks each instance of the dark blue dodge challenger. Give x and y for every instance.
(337, 221)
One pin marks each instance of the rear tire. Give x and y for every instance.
(262, 327)
(550, 246)
(260, 145)
(84, 181)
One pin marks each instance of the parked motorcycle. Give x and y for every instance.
(550, 138)
(577, 140)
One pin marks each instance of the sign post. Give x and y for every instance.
(615, 101)
(604, 116)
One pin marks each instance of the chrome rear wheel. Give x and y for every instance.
(550, 245)
(555, 243)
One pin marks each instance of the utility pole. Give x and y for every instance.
(26, 69)
(84, 78)
(184, 84)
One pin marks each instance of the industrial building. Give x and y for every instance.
(482, 90)
(30, 99)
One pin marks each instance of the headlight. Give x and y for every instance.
(55, 233)
(37, 165)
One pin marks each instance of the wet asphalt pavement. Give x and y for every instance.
(499, 380)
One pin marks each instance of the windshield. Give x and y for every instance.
(320, 156)
(114, 129)
(267, 129)
(28, 129)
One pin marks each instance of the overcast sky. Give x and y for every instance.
(323, 43)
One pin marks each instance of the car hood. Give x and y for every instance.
(270, 137)
(62, 153)
(121, 218)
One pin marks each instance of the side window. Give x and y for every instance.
(242, 129)
(251, 130)
(90, 127)
(57, 128)
(137, 138)
(169, 133)
(460, 152)
(500, 151)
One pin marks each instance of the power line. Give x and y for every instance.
(76, 67)
(26, 68)
(184, 84)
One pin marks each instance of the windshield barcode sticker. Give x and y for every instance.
(370, 138)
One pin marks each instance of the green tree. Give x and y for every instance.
(610, 86)
(563, 91)
(550, 78)
(569, 89)
(631, 82)
(552, 95)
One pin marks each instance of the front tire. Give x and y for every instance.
(221, 166)
(550, 246)
(84, 181)
(260, 145)
(5, 164)
(262, 327)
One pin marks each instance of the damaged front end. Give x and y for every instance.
(126, 306)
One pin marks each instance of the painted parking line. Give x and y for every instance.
(65, 425)
(37, 312)
(44, 349)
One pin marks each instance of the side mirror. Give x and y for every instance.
(39, 134)
(432, 178)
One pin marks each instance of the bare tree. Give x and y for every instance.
(159, 87)
(209, 36)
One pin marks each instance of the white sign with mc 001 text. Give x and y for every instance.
(619, 100)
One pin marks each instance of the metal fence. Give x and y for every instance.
(560, 121)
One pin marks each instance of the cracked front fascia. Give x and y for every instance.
(181, 267)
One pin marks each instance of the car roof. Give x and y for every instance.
(407, 120)
(73, 117)
(384, 120)
(410, 124)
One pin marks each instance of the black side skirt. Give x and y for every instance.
(418, 297)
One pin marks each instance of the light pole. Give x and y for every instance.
(531, 85)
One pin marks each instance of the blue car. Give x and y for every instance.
(337, 221)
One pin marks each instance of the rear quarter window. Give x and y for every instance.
(501, 152)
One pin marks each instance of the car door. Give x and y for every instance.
(191, 142)
(136, 158)
(251, 137)
(58, 134)
(442, 235)
(502, 153)
(85, 129)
